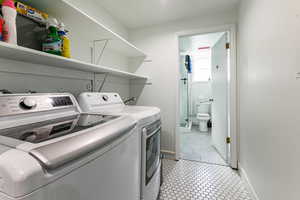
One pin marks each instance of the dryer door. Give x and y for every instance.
(152, 153)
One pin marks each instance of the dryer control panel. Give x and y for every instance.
(97, 102)
(27, 103)
(102, 98)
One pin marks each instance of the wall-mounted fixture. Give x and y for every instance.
(188, 63)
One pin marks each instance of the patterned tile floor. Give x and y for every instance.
(188, 180)
(198, 146)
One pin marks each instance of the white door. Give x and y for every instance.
(220, 96)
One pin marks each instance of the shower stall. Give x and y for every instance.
(185, 93)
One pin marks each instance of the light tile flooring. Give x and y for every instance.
(198, 146)
(189, 180)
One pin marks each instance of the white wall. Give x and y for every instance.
(161, 45)
(81, 46)
(269, 96)
(93, 8)
(19, 77)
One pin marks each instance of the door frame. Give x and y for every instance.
(232, 91)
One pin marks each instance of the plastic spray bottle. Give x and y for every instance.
(1, 28)
(53, 43)
(66, 43)
(9, 15)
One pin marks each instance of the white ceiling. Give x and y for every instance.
(192, 43)
(140, 13)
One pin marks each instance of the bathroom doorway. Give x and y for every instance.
(203, 132)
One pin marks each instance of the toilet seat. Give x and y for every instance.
(203, 116)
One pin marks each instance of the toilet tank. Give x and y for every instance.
(204, 108)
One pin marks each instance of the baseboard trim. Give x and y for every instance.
(246, 180)
(168, 152)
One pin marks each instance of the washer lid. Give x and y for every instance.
(59, 141)
(56, 154)
(27, 167)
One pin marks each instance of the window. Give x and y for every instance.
(201, 67)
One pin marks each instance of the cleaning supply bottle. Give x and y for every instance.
(1, 28)
(66, 43)
(9, 15)
(52, 43)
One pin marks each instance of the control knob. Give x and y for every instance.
(105, 97)
(28, 103)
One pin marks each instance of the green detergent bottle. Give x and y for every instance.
(52, 43)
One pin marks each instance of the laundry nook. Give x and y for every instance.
(149, 100)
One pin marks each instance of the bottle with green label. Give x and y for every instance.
(52, 43)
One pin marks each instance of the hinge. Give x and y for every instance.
(227, 45)
(228, 140)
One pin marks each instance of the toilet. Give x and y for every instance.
(203, 116)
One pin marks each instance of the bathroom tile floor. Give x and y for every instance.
(190, 180)
(198, 146)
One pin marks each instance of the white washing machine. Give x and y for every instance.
(149, 126)
(49, 150)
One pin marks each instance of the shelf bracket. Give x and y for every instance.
(103, 82)
(94, 58)
(94, 81)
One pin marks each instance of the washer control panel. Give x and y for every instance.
(61, 101)
(19, 104)
(28, 103)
